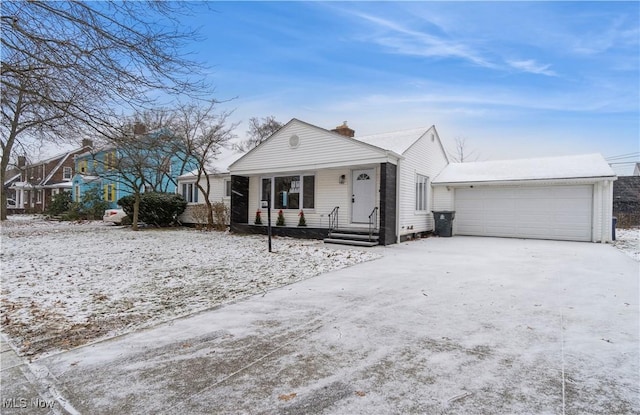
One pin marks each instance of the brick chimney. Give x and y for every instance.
(87, 143)
(22, 161)
(344, 130)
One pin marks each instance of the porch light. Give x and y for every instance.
(342, 179)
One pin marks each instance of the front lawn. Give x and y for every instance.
(67, 284)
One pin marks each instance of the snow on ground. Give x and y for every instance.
(461, 325)
(628, 241)
(66, 284)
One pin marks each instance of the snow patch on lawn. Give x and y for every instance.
(628, 241)
(65, 284)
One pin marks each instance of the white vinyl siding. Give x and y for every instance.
(217, 193)
(424, 158)
(540, 212)
(317, 149)
(329, 193)
(442, 198)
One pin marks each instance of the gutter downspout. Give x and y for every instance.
(398, 172)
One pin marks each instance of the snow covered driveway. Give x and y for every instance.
(66, 284)
(457, 325)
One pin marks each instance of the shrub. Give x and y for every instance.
(200, 214)
(92, 206)
(280, 220)
(74, 212)
(59, 203)
(160, 209)
(220, 215)
(302, 221)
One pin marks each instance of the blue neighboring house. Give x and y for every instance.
(104, 169)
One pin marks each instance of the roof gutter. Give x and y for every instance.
(522, 181)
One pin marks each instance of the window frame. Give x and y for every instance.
(302, 195)
(421, 194)
(65, 170)
(227, 188)
(190, 192)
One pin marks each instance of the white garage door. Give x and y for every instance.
(545, 212)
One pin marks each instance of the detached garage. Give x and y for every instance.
(563, 198)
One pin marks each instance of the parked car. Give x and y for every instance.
(114, 216)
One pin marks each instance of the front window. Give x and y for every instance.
(287, 192)
(66, 173)
(227, 188)
(190, 192)
(421, 192)
(290, 192)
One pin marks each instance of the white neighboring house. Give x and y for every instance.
(219, 180)
(345, 185)
(563, 198)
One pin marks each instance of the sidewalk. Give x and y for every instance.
(19, 395)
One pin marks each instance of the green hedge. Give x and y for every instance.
(160, 209)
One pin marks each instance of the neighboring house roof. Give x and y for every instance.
(219, 165)
(22, 185)
(61, 185)
(627, 189)
(55, 169)
(12, 177)
(566, 167)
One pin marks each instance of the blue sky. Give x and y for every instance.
(513, 79)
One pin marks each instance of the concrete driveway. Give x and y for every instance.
(444, 325)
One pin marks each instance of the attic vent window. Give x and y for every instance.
(433, 138)
(294, 141)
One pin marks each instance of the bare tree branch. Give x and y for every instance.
(259, 130)
(70, 69)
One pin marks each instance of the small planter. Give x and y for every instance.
(280, 221)
(301, 221)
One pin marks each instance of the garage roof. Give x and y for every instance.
(566, 167)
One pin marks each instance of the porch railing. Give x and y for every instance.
(333, 218)
(373, 222)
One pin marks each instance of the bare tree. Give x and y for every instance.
(203, 133)
(68, 67)
(142, 154)
(259, 130)
(462, 153)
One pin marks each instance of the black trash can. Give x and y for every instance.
(614, 223)
(444, 222)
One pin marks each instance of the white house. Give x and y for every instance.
(219, 182)
(368, 189)
(564, 198)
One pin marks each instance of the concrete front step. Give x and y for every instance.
(356, 236)
(351, 242)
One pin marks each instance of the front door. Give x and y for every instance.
(363, 199)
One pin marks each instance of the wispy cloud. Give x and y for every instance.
(404, 40)
(531, 66)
